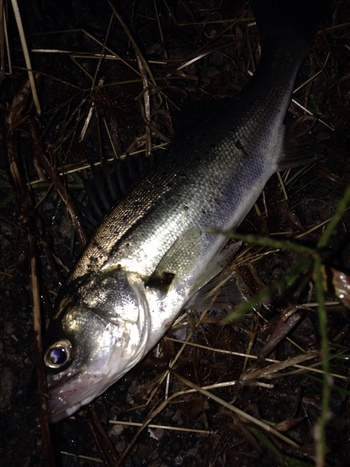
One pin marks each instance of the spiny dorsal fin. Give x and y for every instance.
(109, 184)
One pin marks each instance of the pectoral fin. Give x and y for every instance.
(179, 260)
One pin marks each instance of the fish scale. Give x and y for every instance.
(152, 253)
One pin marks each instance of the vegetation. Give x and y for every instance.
(260, 375)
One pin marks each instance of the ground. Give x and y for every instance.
(110, 83)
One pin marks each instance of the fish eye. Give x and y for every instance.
(58, 354)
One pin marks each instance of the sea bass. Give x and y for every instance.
(152, 252)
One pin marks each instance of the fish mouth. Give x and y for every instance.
(69, 393)
(56, 415)
(62, 404)
(65, 402)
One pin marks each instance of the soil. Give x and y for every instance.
(102, 97)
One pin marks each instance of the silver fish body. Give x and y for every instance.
(151, 253)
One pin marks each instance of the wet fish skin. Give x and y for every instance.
(151, 253)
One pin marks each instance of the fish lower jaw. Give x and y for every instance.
(61, 407)
(70, 411)
(66, 401)
(60, 412)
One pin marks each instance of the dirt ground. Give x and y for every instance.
(101, 75)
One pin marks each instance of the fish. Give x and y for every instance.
(165, 239)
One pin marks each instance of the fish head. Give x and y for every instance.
(98, 333)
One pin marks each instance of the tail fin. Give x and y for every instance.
(290, 19)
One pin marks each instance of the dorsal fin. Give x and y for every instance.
(109, 184)
(194, 113)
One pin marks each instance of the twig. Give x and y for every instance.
(31, 222)
(26, 55)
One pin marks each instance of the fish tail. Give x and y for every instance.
(296, 20)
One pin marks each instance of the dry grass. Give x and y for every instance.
(268, 388)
